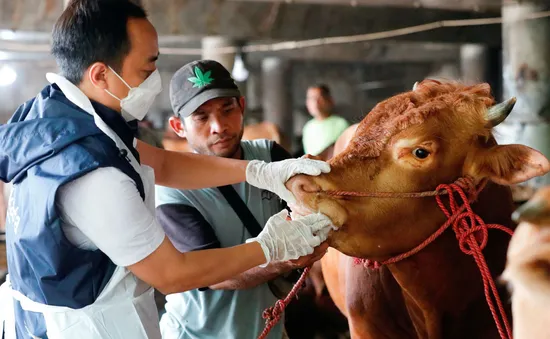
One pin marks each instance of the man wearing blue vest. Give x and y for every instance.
(84, 248)
(208, 109)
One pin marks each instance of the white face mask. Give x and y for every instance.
(139, 99)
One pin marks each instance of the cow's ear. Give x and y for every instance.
(506, 164)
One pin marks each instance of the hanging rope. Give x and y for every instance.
(298, 44)
(273, 314)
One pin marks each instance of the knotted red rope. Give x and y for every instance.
(466, 233)
(273, 314)
(472, 235)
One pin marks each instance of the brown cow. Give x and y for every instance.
(413, 142)
(528, 268)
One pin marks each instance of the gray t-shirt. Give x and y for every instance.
(202, 219)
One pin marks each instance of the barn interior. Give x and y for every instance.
(364, 50)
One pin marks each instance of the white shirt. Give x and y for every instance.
(104, 210)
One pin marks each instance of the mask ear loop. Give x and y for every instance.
(118, 76)
(111, 94)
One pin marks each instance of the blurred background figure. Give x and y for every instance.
(321, 132)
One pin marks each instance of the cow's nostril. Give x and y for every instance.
(302, 184)
(310, 187)
(542, 267)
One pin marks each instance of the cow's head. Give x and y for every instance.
(413, 142)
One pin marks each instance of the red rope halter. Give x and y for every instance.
(471, 233)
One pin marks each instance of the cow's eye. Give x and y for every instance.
(421, 153)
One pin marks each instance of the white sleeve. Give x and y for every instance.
(105, 205)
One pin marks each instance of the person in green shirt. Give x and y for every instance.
(321, 132)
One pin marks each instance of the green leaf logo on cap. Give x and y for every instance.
(201, 79)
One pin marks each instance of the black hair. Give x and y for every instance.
(325, 91)
(90, 31)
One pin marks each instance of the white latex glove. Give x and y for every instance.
(283, 239)
(273, 176)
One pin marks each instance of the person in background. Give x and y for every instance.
(321, 132)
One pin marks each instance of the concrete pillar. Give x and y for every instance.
(276, 89)
(445, 72)
(473, 63)
(209, 46)
(254, 88)
(480, 63)
(254, 93)
(526, 75)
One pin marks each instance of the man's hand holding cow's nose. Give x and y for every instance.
(273, 176)
(283, 239)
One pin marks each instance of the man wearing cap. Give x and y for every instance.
(208, 109)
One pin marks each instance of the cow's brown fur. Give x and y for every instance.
(413, 108)
(437, 293)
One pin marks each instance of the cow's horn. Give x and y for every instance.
(499, 112)
(415, 85)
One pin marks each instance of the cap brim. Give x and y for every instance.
(200, 99)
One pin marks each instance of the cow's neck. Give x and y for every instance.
(442, 286)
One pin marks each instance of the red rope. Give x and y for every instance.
(467, 235)
(465, 183)
(472, 239)
(472, 235)
(460, 184)
(273, 314)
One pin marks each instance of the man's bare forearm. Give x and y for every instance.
(185, 170)
(257, 275)
(253, 277)
(171, 271)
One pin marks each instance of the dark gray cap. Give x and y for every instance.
(197, 82)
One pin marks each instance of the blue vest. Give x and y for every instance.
(47, 143)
